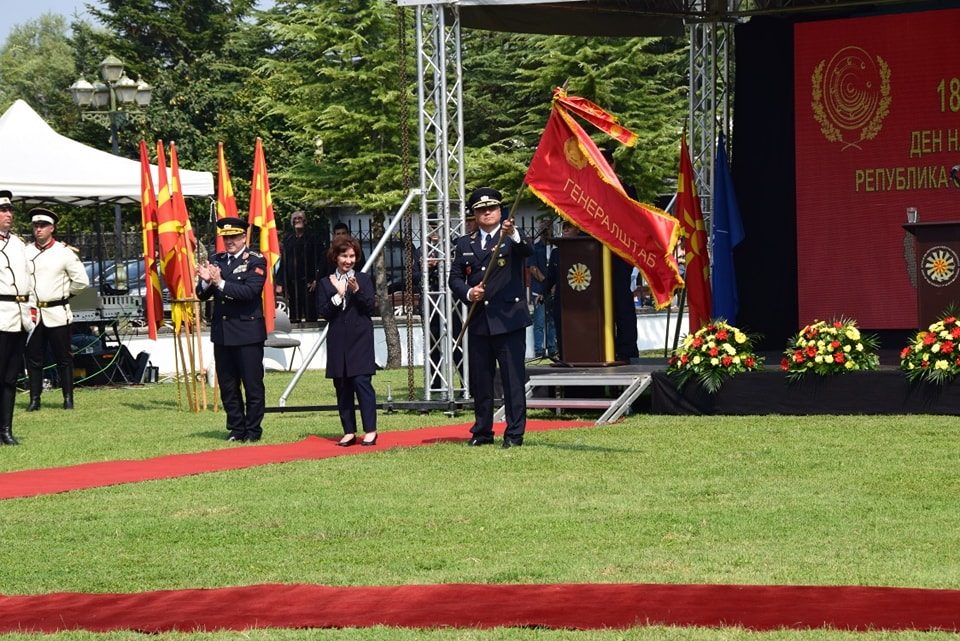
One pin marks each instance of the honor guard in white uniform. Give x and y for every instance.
(56, 274)
(15, 319)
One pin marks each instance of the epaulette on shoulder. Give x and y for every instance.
(254, 253)
(75, 250)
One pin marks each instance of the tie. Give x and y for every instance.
(229, 261)
(486, 242)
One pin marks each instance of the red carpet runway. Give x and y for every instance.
(80, 477)
(577, 606)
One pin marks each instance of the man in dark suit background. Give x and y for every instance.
(499, 318)
(234, 279)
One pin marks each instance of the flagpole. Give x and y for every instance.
(490, 269)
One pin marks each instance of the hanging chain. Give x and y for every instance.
(405, 175)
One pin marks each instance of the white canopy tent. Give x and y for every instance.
(40, 165)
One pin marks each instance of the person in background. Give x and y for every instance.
(234, 279)
(301, 259)
(499, 315)
(544, 332)
(341, 229)
(15, 319)
(347, 301)
(56, 274)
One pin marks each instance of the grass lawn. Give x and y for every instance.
(765, 500)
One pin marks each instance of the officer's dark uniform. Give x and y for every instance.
(238, 331)
(498, 326)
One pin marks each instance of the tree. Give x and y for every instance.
(36, 65)
(333, 76)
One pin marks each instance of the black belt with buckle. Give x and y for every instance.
(53, 303)
(14, 298)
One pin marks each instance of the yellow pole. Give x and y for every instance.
(608, 320)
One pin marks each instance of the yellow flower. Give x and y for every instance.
(714, 361)
(859, 347)
(941, 364)
(740, 337)
(819, 358)
(729, 349)
(696, 360)
(736, 359)
(935, 348)
(848, 365)
(846, 348)
(853, 333)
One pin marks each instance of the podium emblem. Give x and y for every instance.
(578, 277)
(850, 96)
(939, 266)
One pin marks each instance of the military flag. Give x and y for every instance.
(568, 173)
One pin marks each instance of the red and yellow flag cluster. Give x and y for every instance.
(169, 239)
(569, 174)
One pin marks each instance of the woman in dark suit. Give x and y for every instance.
(347, 301)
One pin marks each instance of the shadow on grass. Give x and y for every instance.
(589, 448)
(217, 435)
(155, 404)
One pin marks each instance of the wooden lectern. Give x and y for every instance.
(937, 267)
(586, 331)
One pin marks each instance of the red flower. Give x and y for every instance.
(697, 342)
(905, 352)
(949, 319)
(684, 358)
(726, 360)
(834, 344)
(811, 351)
(929, 339)
(838, 357)
(837, 324)
(714, 351)
(798, 356)
(955, 332)
(722, 335)
(749, 362)
(946, 347)
(924, 364)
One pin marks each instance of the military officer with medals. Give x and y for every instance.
(15, 320)
(56, 274)
(497, 325)
(234, 279)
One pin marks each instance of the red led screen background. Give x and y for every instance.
(877, 131)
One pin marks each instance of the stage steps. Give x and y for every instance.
(633, 384)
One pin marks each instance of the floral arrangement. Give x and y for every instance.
(934, 354)
(827, 348)
(716, 351)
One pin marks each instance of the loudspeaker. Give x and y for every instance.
(140, 367)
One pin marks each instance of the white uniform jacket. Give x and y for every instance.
(56, 274)
(14, 287)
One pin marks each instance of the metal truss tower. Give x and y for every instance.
(440, 108)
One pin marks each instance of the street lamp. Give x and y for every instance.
(112, 103)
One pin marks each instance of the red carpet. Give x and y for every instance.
(80, 477)
(488, 606)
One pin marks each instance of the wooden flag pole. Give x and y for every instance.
(203, 369)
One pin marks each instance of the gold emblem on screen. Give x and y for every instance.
(851, 96)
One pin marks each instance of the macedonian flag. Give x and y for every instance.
(569, 174)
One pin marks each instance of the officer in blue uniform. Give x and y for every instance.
(497, 327)
(234, 279)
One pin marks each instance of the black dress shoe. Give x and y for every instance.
(372, 441)
(234, 437)
(251, 439)
(34, 404)
(6, 436)
(352, 441)
(68, 402)
(477, 441)
(512, 442)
